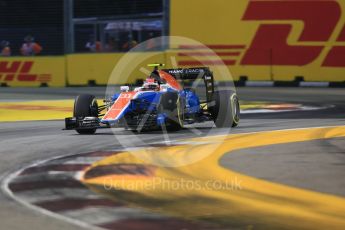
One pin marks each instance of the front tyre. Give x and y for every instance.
(85, 105)
(226, 109)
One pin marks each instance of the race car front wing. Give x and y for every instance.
(72, 123)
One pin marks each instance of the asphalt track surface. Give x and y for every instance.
(315, 165)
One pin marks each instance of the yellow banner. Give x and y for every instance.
(32, 71)
(265, 40)
(116, 68)
(82, 69)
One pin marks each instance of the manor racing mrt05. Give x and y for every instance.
(162, 102)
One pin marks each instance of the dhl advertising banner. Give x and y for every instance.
(32, 71)
(101, 69)
(266, 39)
(85, 68)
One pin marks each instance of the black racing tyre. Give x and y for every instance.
(85, 105)
(172, 106)
(226, 109)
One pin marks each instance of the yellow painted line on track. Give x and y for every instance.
(204, 190)
(59, 109)
(36, 110)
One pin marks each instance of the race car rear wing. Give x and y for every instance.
(193, 74)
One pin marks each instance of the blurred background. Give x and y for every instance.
(78, 42)
(67, 26)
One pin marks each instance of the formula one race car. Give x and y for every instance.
(162, 102)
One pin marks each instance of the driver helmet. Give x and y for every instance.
(150, 84)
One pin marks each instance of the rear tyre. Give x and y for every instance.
(172, 106)
(85, 105)
(226, 110)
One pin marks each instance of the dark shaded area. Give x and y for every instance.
(56, 168)
(120, 169)
(40, 18)
(44, 19)
(76, 203)
(153, 224)
(27, 186)
(103, 8)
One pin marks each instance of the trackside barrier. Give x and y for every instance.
(227, 60)
(267, 40)
(85, 69)
(285, 42)
(32, 71)
(133, 67)
(269, 72)
(97, 69)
